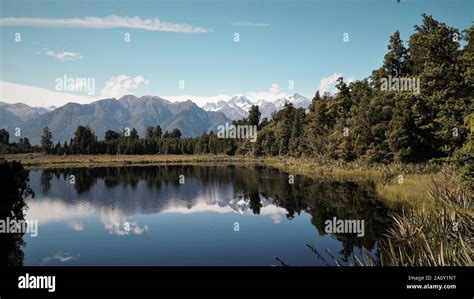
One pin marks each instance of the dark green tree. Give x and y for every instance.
(47, 141)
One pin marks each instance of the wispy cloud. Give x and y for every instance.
(60, 257)
(63, 56)
(250, 24)
(108, 22)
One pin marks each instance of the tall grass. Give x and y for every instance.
(439, 237)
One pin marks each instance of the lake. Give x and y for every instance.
(196, 216)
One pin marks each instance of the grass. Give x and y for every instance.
(35, 160)
(412, 192)
(438, 237)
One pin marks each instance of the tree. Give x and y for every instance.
(84, 141)
(295, 142)
(65, 148)
(134, 134)
(47, 141)
(176, 133)
(58, 149)
(254, 116)
(318, 125)
(395, 61)
(286, 115)
(24, 145)
(149, 133)
(111, 135)
(4, 137)
(404, 136)
(157, 133)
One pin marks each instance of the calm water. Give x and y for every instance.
(144, 216)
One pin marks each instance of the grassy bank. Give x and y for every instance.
(411, 190)
(32, 161)
(395, 183)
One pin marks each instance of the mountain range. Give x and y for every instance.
(132, 112)
(128, 111)
(237, 107)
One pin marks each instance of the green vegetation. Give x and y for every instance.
(440, 238)
(14, 186)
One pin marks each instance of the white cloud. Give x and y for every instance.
(273, 93)
(108, 22)
(37, 96)
(327, 84)
(50, 210)
(116, 223)
(121, 85)
(276, 218)
(350, 79)
(60, 257)
(117, 87)
(274, 89)
(63, 56)
(249, 24)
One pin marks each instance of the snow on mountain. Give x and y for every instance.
(25, 112)
(237, 106)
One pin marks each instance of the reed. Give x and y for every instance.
(439, 237)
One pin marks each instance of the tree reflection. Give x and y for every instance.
(14, 186)
(323, 199)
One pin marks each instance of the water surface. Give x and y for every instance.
(221, 215)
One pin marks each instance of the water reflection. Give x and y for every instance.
(121, 197)
(14, 188)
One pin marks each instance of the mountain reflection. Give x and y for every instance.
(118, 193)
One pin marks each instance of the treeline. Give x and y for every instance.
(364, 121)
(129, 143)
(22, 146)
(417, 106)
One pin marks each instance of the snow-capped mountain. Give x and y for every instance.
(25, 112)
(234, 108)
(237, 107)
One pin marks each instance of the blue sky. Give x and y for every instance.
(279, 41)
